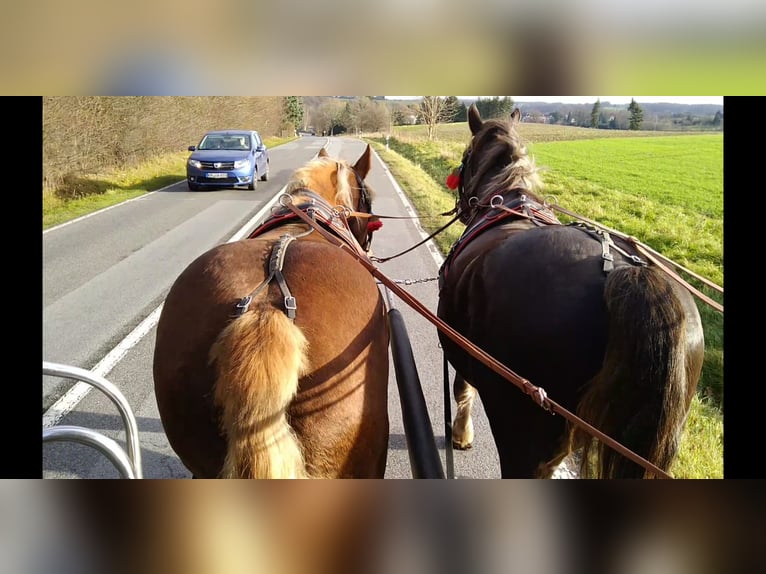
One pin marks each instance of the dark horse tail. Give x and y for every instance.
(259, 358)
(639, 398)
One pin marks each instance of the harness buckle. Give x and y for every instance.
(637, 260)
(243, 304)
(290, 306)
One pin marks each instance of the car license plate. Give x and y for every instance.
(217, 175)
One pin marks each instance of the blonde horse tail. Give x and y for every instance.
(258, 359)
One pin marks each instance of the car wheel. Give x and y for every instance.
(253, 181)
(265, 176)
(192, 186)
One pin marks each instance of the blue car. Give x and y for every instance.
(227, 158)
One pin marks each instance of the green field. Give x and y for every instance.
(666, 190)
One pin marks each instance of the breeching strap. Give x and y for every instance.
(655, 258)
(536, 393)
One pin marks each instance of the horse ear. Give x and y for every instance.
(516, 116)
(363, 164)
(474, 119)
(323, 153)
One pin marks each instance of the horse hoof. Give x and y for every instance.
(458, 446)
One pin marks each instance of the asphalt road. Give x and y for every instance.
(105, 277)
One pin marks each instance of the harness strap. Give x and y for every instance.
(608, 258)
(657, 258)
(276, 263)
(607, 243)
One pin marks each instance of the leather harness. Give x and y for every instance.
(504, 208)
(321, 213)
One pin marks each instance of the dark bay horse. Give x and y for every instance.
(574, 311)
(271, 358)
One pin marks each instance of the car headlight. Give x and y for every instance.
(242, 163)
(195, 163)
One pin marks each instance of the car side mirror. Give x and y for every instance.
(192, 147)
(261, 148)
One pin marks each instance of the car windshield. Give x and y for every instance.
(232, 142)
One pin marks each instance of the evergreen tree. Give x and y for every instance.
(455, 104)
(294, 110)
(461, 113)
(505, 108)
(636, 115)
(595, 113)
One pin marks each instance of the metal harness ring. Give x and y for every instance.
(495, 204)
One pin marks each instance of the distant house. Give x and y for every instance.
(535, 118)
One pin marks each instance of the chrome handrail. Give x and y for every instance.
(107, 446)
(128, 464)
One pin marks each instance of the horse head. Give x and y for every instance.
(341, 185)
(495, 162)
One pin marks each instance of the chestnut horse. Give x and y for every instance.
(271, 358)
(572, 310)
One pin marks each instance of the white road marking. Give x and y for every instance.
(108, 208)
(432, 248)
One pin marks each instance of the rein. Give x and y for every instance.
(434, 234)
(538, 394)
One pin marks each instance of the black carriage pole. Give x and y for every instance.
(421, 444)
(448, 421)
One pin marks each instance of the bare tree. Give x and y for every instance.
(435, 110)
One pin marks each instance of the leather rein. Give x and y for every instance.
(537, 394)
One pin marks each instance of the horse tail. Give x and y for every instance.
(639, 398)
(259, 358)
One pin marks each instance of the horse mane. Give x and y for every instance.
(303, 177)
(498, 143)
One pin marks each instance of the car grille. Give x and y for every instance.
(219, 181)
(223, 165)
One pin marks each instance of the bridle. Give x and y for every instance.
(365, 206)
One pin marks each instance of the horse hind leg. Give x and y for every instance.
(462, 427)
(259, 358)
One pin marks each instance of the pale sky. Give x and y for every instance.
(612, 99)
